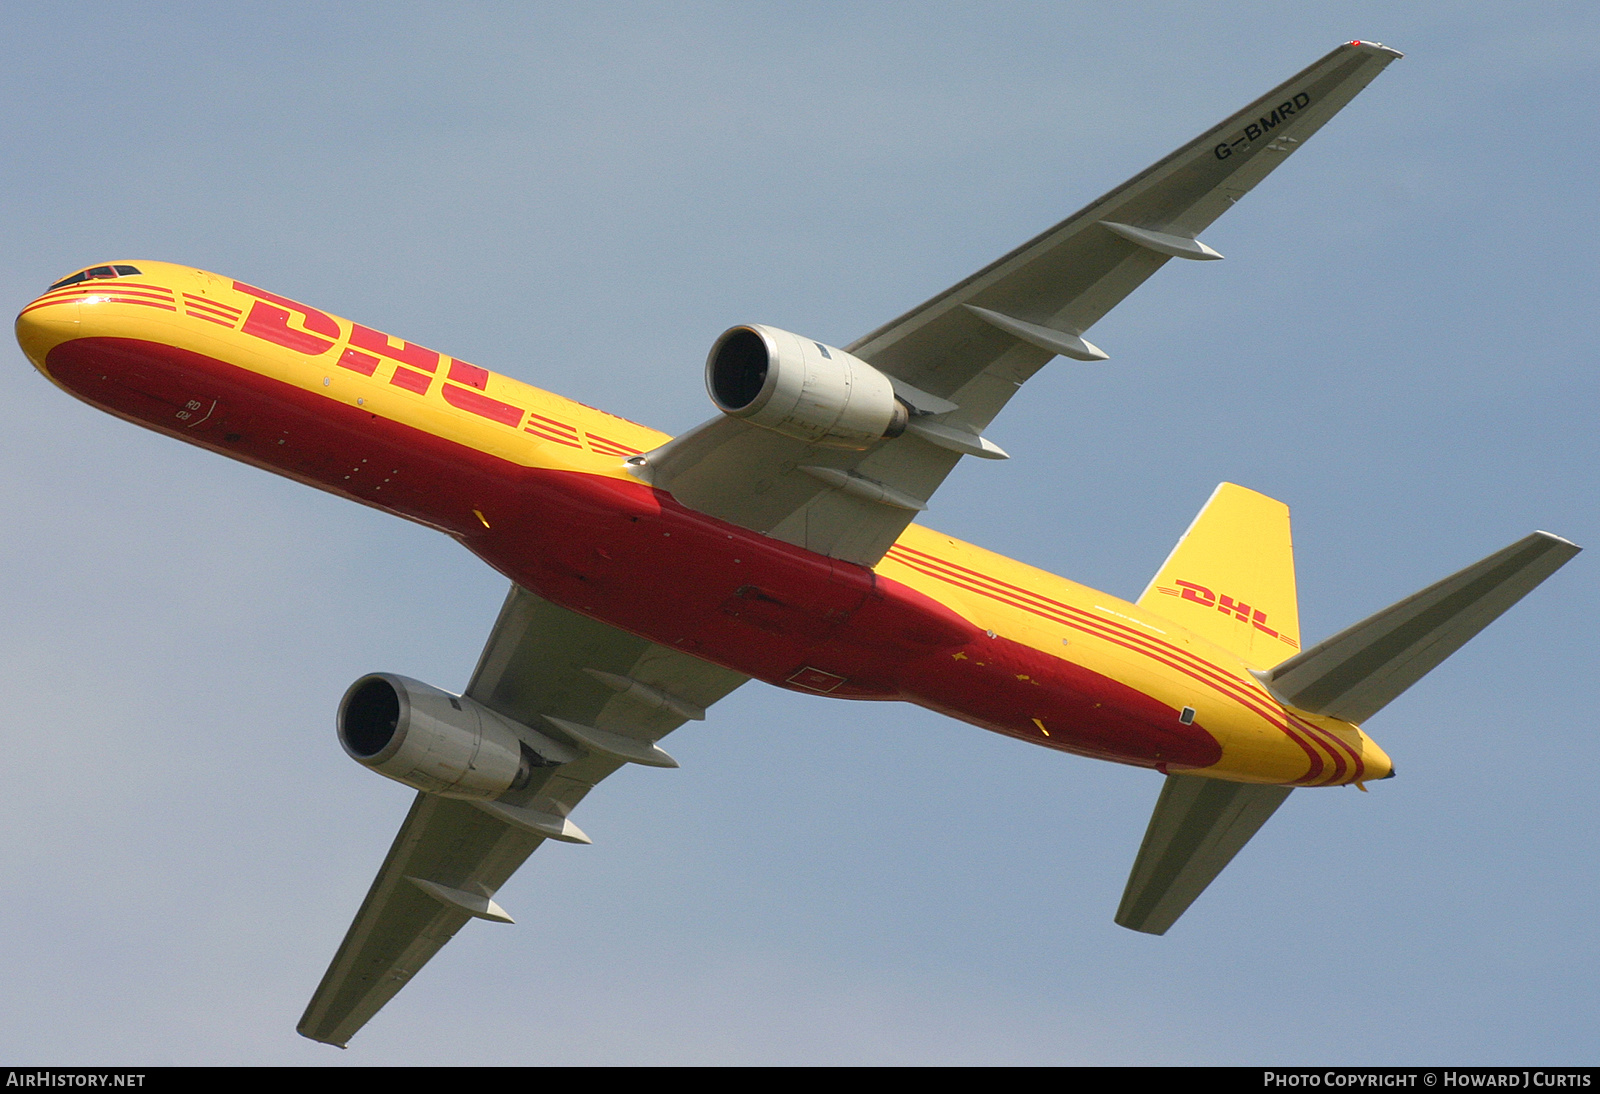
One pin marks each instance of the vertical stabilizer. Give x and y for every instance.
(1230, 579)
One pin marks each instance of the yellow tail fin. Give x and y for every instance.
(1230, 579)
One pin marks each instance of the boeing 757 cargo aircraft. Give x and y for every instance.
(652, 575)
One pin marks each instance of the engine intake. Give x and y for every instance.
(802, 389)
(441, 743)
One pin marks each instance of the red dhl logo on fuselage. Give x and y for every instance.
(1227, 605)
(414, 367)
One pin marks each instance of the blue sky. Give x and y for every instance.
(1399, 346)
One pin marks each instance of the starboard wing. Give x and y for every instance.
(965, 353)
(609, 693)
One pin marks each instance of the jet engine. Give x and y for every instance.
(802, 389)
(442, 743)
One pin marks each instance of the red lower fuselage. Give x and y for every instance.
(629, 555)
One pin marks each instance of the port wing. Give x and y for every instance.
(967, 351)
(611, 694)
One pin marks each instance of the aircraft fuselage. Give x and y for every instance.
(538, 487)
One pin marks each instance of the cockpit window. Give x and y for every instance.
(96, 273)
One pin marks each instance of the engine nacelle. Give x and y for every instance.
(442, 743)
(802, 389)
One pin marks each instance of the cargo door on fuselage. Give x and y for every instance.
(1230, 579)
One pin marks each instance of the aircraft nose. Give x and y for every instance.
(45, 324)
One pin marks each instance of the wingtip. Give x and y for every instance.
(1140, 927)
(305, 1032)
(1375, 47)
(1558, 539)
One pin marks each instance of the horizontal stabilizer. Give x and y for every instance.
(1358, 671)
(1198, 826)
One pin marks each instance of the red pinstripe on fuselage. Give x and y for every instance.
(1167, 653)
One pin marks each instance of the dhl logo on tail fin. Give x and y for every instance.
(1230, 579)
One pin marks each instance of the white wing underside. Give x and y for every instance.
(977, 342)
(541, 662)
